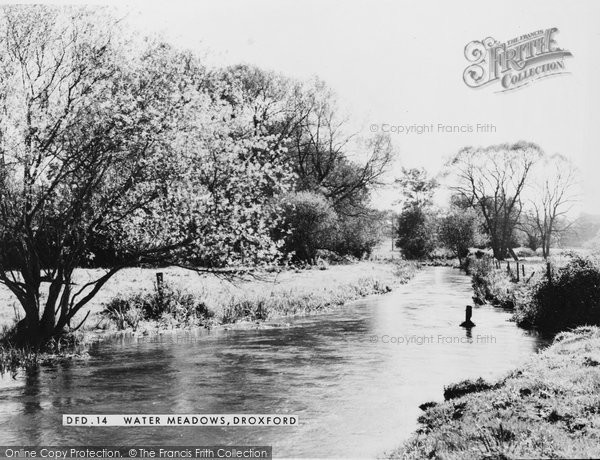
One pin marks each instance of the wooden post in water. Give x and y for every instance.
(467, 322)
(518, 272)
(523, 269)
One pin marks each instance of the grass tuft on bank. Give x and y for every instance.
(549, 408)
(166, 307)
(14, 356)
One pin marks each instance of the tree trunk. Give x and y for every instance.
(496, 247)
(545, 245)
(34, 330)
(28, 330)
(499, 251)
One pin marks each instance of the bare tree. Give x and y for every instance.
(493, 179)
(321, 153)
(554, 191)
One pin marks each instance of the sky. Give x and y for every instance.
(401, 63)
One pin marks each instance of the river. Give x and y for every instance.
(354, 377)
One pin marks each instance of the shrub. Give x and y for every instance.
(570, 298)
(456, 390)
(333, 258)
(311, 225)
(489, 283)
(524, 252)
(249, 309)
(167, 304)
(415, 233)
(457, 232)
(358, 235)
(311, 221)
(124, 312)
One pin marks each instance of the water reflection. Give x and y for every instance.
(354, 396)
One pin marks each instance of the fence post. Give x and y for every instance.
(159, 282)
(518, 272)
(549, 272)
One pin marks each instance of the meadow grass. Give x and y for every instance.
(293, 292)
(548, 408)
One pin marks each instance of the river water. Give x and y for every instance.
(354, 377)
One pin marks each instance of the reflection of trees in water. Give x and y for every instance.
(24, 420)
(134, 382)
(31, 402)
(46, 388)
(219, 381)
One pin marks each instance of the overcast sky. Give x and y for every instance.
(401, 63)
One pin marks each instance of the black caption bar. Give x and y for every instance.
(205, 452)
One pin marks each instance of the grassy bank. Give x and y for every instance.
(131, 302)
(549, 408)
(312, 286)
(215, 301)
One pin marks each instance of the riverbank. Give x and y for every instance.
(217, 302)
(548, 408)
(210, 301)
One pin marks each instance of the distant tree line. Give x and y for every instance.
(503, 196)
